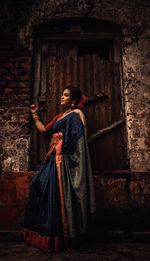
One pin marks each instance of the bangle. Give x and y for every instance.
(35, 117)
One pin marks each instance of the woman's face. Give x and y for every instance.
(66, 100)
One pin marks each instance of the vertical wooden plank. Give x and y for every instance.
(74, 66)
(52, 100)
(57, 73)
(103, 74)
(42, 139)
(60, 77)
(95, 75)
(91, 76)
(101, 83)
(117, 49)
(71, 65)
(44, 56)
(36, 90)
(64, 70)
(94, 90)
(68, 82)
(37, 68)
(109, 84)
(55, 95)
(87, 84)
(81, 73)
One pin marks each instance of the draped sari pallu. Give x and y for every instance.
(61, 198)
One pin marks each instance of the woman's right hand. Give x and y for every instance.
(33, 108)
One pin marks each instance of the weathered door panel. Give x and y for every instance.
(65, 64)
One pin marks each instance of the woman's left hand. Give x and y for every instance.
(33, 108)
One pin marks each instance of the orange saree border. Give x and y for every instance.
(56, 144)
(44, 243)
(58, 149)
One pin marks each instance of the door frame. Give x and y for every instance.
(46, 36)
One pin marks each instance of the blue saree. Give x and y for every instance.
(61, 200)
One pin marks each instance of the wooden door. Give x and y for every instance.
(90, 66)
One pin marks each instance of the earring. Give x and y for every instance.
(72, 105)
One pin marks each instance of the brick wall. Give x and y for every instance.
(15, 91)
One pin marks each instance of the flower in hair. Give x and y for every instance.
(82, 102)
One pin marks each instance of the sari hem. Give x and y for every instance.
(45, 243)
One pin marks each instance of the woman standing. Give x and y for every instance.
(61, 201)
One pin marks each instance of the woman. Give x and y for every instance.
(61, 200)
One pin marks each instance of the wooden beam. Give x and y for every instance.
(96, 98)
(78, 36)
(105, 130)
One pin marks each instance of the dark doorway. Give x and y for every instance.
(89, 59)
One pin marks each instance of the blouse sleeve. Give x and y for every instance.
(50, 124)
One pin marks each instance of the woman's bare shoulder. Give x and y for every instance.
(81, 114)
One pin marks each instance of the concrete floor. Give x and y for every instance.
(117, 251)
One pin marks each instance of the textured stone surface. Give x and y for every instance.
(136, 70)
(15, 94)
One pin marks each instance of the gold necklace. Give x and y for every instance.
(67, 111)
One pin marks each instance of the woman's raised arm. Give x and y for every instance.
(39, 125)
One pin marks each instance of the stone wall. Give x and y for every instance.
(136, 83)
(17, 22)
